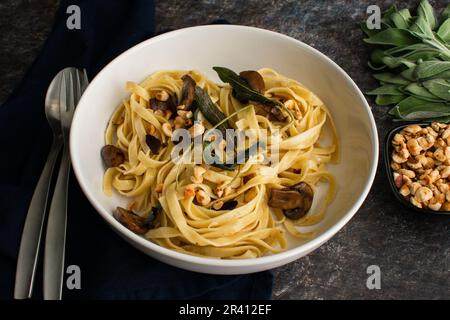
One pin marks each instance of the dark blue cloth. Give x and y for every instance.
(110, 268)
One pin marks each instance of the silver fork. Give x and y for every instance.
(73, 84)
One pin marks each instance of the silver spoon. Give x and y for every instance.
(32, 230)
(73, 84)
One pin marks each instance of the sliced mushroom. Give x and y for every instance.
(229, 205)
(188, 91)
(170, 104)
(153, 143)
(294, 201)
(273, 111)
(131, 220)
(254, 79)
(112, 156)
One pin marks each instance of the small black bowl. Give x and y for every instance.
(389, 172)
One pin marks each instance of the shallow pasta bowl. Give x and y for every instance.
(238, 48)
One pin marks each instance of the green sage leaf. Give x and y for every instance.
(444, 31)
(401, 19)
(429, 69)
(387, 90)
(393, 36)
(439, 88)
(384, 100)
(426, 11)
(391, 78)
(420, 91)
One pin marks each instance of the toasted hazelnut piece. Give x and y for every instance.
(435, 204)
(440, 143)
(447, 195)
(406, 180)
(435, 126)
(202, 198)
(447, 153)
(290, 104)
(398, 138)
(218, 192)
(439, 155)
(149, 128)
(159, 188)
(445, 134)
(415, 202)
(413, 147)
(179, 122)
(409, 173)
(227, 191)
(405, 190)
(404, 153)
(413, 128)
(398, 159)
(413, 187)
(162, 95)
(167, 129)
(196, 129)
(445, 173)
(198, 174)
(398, 179)
(189, 191)
(424, 143)
(181, 107)
(425, 173)
(432, 132)
(395, 166)
(434, 189)
(185, 114)
(432, 177)
(446, 206)
(217, 205)
(429, 163)
(413, 163)
(443, 187)
(423, 194)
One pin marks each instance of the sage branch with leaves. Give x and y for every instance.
(411, 61)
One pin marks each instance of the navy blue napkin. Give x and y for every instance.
(110, 268)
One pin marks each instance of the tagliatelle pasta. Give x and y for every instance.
(194, 199)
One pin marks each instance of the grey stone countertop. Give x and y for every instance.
(412, 250)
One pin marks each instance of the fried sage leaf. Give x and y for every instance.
(209, 109)
(242, 90)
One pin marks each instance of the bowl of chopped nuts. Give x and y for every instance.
(417, 159)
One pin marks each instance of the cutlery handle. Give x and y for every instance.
(56, 233)
(32, 230)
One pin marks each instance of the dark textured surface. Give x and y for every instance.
(412, 250)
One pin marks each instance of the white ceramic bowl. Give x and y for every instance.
(238, 48)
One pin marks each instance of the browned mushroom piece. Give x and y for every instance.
(294, 201)
(188, 91)
(153, 143)
(112, 156)
(254, 79)
(170, 104)
(131, 220)
(273, 111)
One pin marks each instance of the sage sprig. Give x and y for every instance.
(411, 61)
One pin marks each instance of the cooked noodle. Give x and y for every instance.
(252, 229)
